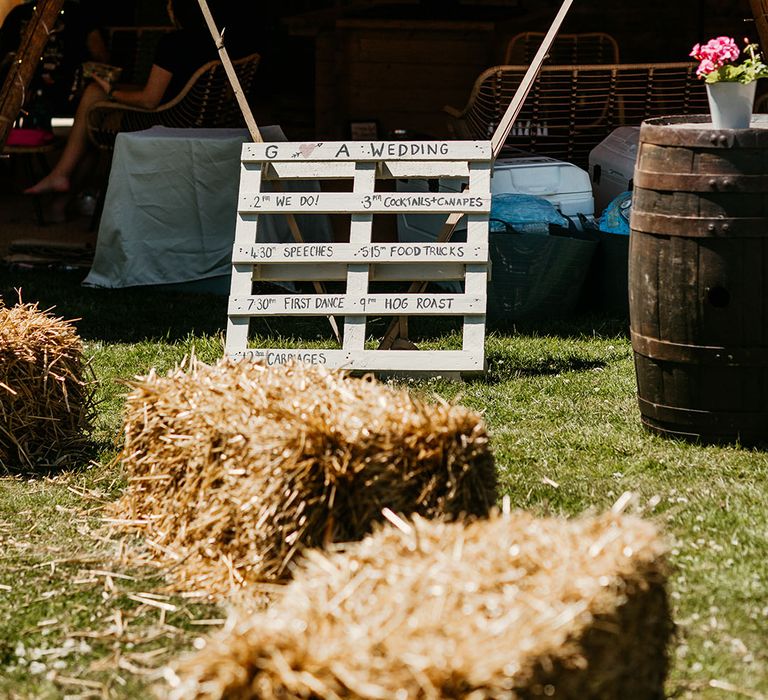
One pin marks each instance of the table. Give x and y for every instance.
(171, 204)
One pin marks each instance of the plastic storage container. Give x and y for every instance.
(612, 165)
(563, 184)
(534, 275)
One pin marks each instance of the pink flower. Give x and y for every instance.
(705, 67)
(715, 54)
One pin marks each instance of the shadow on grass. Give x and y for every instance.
(502, 367)
(153, 313)
(116, 315)
(578, 326)
(139, 313)
(68, 459)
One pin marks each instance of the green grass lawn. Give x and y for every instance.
(560, 403)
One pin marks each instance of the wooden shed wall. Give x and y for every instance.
(400, 74)
(403, 72)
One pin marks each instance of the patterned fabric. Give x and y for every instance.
(524, 213)
(615, 218)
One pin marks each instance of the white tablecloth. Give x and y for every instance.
(171, 206)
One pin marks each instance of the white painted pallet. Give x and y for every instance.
(361, 261)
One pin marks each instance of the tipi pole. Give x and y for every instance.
(253, 128)
(14, 91)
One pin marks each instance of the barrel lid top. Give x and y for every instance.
(697, 130)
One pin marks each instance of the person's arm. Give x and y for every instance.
(148, 97)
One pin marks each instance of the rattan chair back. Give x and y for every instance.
(206, 101)
(572, 108)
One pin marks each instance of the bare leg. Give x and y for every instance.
(59, 203)
(59, 179)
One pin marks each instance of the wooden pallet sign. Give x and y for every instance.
(362, 261)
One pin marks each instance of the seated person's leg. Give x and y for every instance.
(59, 179)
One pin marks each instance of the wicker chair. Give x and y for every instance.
(571, 109)
(567, 49)
(207, 100)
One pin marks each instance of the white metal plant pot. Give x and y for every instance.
(730, 104)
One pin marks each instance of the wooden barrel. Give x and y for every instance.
(698, 279)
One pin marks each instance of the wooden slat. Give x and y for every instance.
(358, 275)
(246, 229)
(362, 202)
(476, 281)
(281, 170)
(388, 170)
(371, 360)
(379, 304)
(366, 151)
(310, 253)
(423, 170)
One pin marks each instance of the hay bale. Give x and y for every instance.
(234, 468)
(46, 404)
(511, 607)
